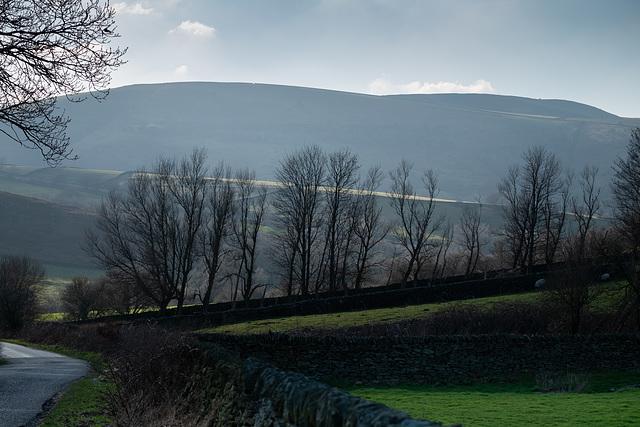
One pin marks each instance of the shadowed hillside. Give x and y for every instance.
(48, 232)
(469, 140)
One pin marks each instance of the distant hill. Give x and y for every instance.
(469, 140)
(48, 232)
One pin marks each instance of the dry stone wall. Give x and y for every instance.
(251, 392)
(431, 359)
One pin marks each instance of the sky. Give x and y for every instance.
(580, 50)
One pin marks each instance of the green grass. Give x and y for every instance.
(81, 405)
(373, 316)
(331, 320)
(516, 403)
(51, 317)
(353, 318)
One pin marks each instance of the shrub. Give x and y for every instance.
(150, 372)
(83, 298)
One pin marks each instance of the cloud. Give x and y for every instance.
(182, 70)
(136, 9)
(382, 86)
(195, 29)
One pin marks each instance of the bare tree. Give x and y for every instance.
(284, 250)
(415, 215)
(125, 240)
(147, 234)
(121, 295)
(530, 192)
(342, 169)
(188, 186)
(625, 187)
(554, 213)
(515, 214)
(586, 211)
(297, 203)
(50, 48)
(370, 226)
(572, 289)
(20, 279)
(219, 211)
(251, 204)
(471, 236)
(441, 258)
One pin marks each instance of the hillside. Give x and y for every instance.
(469, 140)
(48, 232)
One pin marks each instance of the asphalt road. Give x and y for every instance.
(31, 378)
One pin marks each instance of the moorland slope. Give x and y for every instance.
(469, 140)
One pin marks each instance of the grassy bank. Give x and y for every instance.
(82, 405)
(354, 318)
(329, 321)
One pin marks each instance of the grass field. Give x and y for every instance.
(332, 320)
(604, 398)
(528, 401)
(470, 407)
(357, 318)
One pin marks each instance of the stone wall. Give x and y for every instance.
(369, 298)
(250, 392)
(417, 360)
(380, 298)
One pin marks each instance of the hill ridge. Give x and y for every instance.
(557, 108)
(470, 142)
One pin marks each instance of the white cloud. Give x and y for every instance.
(135, 9)
(182, 70)
(382, 86)
(195, 29)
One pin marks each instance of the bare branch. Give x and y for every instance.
(51, 48)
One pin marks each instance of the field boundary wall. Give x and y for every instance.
(433, 359)
(251, 392)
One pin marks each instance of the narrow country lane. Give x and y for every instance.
(30, 378)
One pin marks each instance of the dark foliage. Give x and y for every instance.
(20, 278)
(625, 186)
(151, 371)
(83, 298)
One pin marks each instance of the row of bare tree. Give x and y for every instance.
(537, 198)
(177, 220)
(174, 219)
(179, 227)
(537, 201)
